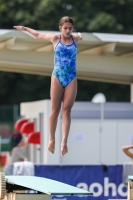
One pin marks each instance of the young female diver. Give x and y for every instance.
(63, 79)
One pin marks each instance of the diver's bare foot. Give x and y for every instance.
(64, 149)
(51, 146)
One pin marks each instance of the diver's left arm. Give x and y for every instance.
(77, 37)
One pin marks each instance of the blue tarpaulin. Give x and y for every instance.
(105, 182)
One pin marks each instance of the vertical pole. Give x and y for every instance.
(131, 93)
(41, 127)
(101, 130)
(130, 190)
(0, 143)
(15, 113)
(35, 148)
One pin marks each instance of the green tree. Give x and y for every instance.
(17, 88)
(113, 16)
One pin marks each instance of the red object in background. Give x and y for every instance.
(27, 127)
(19, 123)
(34, 138)
(2, 159)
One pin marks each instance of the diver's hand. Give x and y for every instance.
(20, 28)
(80, 36)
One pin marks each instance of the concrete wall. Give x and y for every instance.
(92, 139)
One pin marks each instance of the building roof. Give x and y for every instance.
(101, 57)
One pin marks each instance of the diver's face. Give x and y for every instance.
(66, 29)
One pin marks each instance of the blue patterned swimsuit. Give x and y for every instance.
(65, 62)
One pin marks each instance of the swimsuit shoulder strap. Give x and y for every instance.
(60, 38)
(72, 39)
(58, 42)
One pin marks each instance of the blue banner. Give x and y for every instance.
(105, 182)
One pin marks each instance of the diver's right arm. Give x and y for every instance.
(48, 36)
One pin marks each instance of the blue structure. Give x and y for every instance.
(105, 182)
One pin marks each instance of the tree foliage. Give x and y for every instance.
(17, 88)
(114, 16)
(108, 16)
